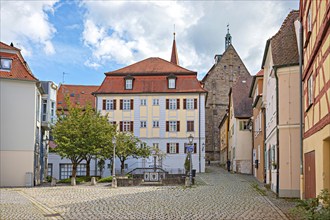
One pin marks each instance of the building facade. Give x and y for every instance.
(315, 19)
(162, 104)
(281, 101)
(223, 127)
(240, 138)
(217, 82)
(258, 127)
(20, 107)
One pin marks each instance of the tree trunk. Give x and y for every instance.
(88, 167)
(122, 166)
(74, 169)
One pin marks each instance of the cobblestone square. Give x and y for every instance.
(217, 195)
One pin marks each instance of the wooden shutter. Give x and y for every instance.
(114, 104)
(195, 148)
(167, 126)
(132, 104)
(195, 103)
(178, 126)
(192, 126)
(177, 148)
(185, 148)
(131, 127)
(167, 103)
(178, 104)
(168, 148)
(104, 104)
(120, 126)
(184, 103)
(121, 104)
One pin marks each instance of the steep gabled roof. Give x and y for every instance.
(284, 43)
(223, 60)
(79, 95)
(19, 68)
(151, 76)
(152, 65)
(242, 103)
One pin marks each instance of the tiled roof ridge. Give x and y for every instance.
(286, 20)
(118, 71)
(78, 85)
(8, 47)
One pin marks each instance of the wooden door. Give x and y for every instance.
(310, 185)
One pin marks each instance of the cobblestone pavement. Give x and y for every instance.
(217, 195)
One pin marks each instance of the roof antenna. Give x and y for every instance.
(63, 77)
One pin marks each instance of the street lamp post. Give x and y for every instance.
(114, 180)
(190, 139)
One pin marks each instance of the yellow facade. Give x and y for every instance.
(317, 114)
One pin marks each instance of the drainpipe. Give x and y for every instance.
(263, 110)
(277, 136)
(299, 34)
(199, 132)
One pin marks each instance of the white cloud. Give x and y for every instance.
(126, 32)
(25, 23)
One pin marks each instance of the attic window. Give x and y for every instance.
(5, 64)
(129, 82)
(171, 81)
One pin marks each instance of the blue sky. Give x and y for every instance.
(87, 38)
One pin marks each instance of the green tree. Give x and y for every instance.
(127, 145)
(69, 137)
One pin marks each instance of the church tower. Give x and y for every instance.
(174, 55)
(227, 68)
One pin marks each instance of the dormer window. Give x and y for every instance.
(171, 81)
(129, 82)
(5, 64)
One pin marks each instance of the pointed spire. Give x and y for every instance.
(174, 56)
(227, 38)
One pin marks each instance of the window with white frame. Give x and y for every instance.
(155, 102)
(171, 83)
(44, 109)
(50, 169)
(109, 104)
(155, 124)
(126, 104)
(66, 170)
(155, 145)
(128, 84)
(172, 126)
(172, 104)
(52, 112)
(243, 125)
(172, 148)
(190, 104)
(310, 91)
(309, 19)
(143, 124)
(126, 126)
(143, 102)
(143, 145)
(5, 64)
(259, 153)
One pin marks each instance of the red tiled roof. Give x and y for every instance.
(151, 65)
(79, 95)
(150, 84)
(7, 47)
(260, 73)
(19, 70)
(242, 103)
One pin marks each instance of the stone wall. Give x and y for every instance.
(218, 82)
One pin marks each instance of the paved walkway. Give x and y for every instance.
(217, 195)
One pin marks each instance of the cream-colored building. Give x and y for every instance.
(281, 101)
(160, 102)
(20, 105)
(314, 16)
(223, 128)
(239, 135)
